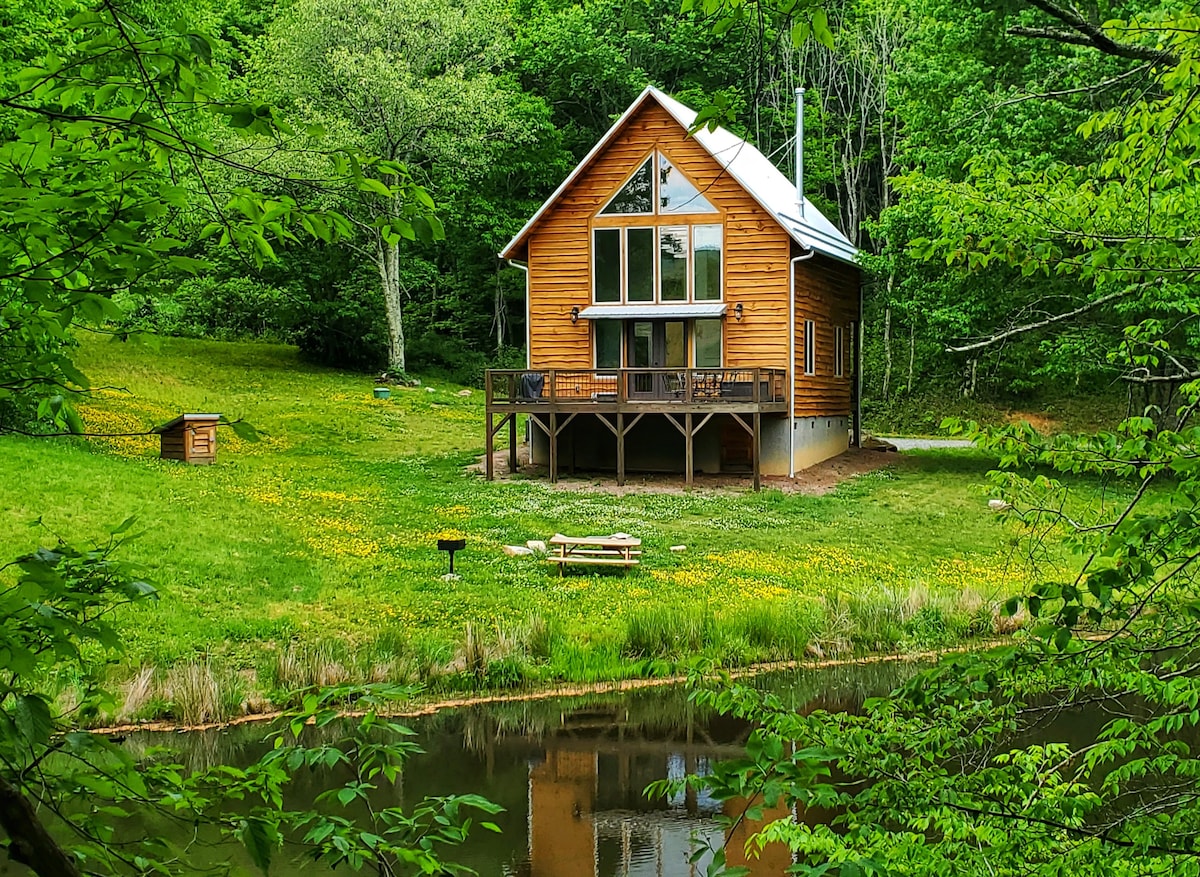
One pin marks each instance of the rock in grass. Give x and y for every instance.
(463, 393)
(536, 545)
(679, 548)
(999, 505)
(430, 390)
(516, 550)
(451, 577)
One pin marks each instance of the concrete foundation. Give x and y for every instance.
(817, 439)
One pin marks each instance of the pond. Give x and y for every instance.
(570, 773)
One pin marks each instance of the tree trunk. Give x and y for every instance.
(887, 344)
(499, 314)
(29, 842)
(388, 262)
(912, 354)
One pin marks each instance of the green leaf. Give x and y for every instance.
(31, 716)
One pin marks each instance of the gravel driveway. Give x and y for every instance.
(923, 444)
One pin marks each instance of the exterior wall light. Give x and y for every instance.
(737, 311)
(575, 314)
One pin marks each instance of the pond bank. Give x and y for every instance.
(563, 691)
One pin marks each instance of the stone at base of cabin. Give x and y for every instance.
(517, 550)
(999, 505)
(536, 545)
(679, 548)
(451, 577)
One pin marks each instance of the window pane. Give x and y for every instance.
(708, 343)
(606, 246)
(636, 196)
(639, 278)
(672, 263)
(641, 338)
(608, 343)
(676, 353)
(706, 262)
(676, 194)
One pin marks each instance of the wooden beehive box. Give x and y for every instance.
(191, 438)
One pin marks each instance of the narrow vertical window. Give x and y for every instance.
(839, 351)
(606, 264)
(673, 263)
(810, 347)
(639, 264)
(707, 334)
(706, 262)
(608, 343)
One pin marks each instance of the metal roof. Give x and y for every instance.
(752, 170)
(682, 310)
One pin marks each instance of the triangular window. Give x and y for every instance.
(676, 194)
(636, 196)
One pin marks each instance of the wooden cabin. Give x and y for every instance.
(687, 310)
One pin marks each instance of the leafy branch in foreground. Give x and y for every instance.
(108, 168)
(74, 803)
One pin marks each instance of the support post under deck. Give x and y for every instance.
(489, 448)
(553, 447)
(756, 442)
(620, 449)
(687, 448)
(513, 463)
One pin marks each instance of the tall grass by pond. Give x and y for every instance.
(310, 556)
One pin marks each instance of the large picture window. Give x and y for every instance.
(675, 263)
(642, 262)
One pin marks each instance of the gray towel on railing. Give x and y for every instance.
(530, 386)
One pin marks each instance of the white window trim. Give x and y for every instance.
(810, 347)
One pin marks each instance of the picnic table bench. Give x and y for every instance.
(620, 551)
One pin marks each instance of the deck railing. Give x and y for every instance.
(693, 386)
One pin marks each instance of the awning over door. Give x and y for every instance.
(681, 311)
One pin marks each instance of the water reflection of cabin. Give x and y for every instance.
(687, 310)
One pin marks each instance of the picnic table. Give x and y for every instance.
(616, 550)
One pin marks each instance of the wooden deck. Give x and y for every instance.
(689, 398)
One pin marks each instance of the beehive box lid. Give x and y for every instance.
(188, 418)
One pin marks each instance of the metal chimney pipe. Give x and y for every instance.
(800, 150)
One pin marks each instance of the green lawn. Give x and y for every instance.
(311, 554)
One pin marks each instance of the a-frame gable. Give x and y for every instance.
(646, 127)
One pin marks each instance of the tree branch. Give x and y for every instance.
(1029, 327)
(29, 841)
(1082, 32)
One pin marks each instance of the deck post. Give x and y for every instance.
(620, 449)
(489, 448)
(756, 443)
(553, 447)
(687, 448)
(512, 444)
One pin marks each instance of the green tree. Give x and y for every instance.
(414, 83)
(937, 777)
